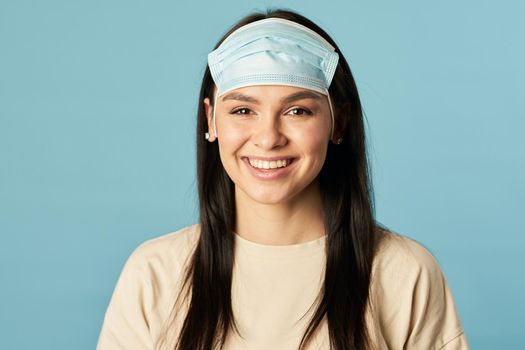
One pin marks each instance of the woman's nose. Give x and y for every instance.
(268, 133)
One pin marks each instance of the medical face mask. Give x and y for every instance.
(273, 51)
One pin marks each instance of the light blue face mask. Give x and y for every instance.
(273, 51)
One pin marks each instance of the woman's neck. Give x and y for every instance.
(298, 220)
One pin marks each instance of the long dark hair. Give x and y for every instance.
(347, 200)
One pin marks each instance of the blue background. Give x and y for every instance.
(97, 113)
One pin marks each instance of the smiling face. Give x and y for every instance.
(272, 140)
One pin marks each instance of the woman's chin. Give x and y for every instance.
(262, 196)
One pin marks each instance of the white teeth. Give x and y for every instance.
(264, 164)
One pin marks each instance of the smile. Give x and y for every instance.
(269, 168)
(272, 164)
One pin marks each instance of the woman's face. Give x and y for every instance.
(272, 139)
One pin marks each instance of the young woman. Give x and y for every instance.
(287, 254)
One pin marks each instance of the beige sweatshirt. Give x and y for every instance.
(274, 286)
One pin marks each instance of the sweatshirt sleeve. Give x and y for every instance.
(126, 322)
(414, 305)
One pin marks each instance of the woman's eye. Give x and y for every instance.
(300, 111)
(241, 111)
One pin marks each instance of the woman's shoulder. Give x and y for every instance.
(182, 239)
(412, 304)
(165, 251)
(143, 295)
(396, 251)
(404, 266)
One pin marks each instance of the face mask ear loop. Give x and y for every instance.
(214, 109)
(331, 114)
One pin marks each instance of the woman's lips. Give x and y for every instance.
(269, 168)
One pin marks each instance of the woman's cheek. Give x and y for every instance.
(232, 136)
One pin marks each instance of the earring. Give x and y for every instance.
(339, 141)
(206, 135)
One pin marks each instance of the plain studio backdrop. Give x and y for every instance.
(97, 116)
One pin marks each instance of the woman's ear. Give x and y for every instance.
(209, 116)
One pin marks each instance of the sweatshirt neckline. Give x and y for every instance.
(309, 248)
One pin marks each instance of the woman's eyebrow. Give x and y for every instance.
(240, 97)
(301, 95)
(290, 98)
